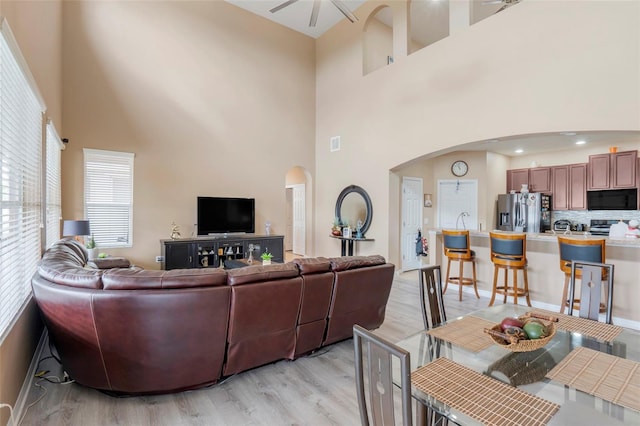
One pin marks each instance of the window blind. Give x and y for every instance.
(108, 196)
(53, 197)
(21, 127)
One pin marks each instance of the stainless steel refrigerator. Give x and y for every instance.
(519, 212)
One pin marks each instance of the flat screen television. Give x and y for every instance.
(219, 215)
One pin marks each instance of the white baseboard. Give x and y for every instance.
(27, 384)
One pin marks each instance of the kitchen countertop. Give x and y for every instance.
(550, 236)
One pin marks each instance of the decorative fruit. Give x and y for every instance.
(535, 330)
(516, 331)
(511, 322)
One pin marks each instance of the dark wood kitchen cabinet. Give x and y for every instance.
(569, 187)
(537, 179)
(540, 179)
(616, 170)
(516, 178)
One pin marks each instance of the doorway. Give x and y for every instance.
(296, 219)
(298, 194)
(411, 221)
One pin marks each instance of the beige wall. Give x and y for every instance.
(36, 25)
(517, 72)
(212, 100)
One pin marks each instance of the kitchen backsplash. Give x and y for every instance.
(585, 216)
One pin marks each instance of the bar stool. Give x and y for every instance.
(579, 249)
(457, 248)
(509, 252)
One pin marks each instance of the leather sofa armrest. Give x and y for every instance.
(312, 265)
(109, 263)
(259, 273)
(354, 262)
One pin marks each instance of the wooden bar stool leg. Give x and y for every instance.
(460, 280)
(446, 281)
(526, 286)
(495, 284)
(505, 285)
(515, 286)
(565, 291)
(475, 281)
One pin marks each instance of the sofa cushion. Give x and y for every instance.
(109, 262)
(353, 262)
(63, 263)
(134, 279)
(312, 265)
(254, 273)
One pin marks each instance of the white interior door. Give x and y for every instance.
(299, 225)
(411, 221)
(288, 234)
(458, 204)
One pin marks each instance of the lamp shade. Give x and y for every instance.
(72, 228)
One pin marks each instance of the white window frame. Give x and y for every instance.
(21, 180)
(52, 185)
(108, 197)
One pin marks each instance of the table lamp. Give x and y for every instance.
(75, 228)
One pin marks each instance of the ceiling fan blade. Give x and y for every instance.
(492, 2)
(282, 6)
(501, 9)
(314, 13)
(345, 10)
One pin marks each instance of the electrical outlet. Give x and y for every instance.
(159, 259)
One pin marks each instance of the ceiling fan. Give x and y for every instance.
(316, 8)
(505, 3)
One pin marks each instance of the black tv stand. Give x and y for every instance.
(212, 250)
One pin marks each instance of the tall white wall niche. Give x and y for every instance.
(377, 40)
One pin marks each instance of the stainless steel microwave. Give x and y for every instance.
(613, 199)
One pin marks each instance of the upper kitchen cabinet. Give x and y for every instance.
(569, 187)
(516, 178)
(616, 170)
(540, 179)
(537, 179)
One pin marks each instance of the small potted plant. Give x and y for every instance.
(91, 247)
(336, 229)
(266, 258)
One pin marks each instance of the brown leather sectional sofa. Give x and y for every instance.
(135, 331)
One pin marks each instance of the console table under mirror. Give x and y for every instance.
(353, 209)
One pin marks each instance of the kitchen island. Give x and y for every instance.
(545, 277)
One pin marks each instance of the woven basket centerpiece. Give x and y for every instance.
(516, 343)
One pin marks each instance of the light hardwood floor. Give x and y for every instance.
(315, 390)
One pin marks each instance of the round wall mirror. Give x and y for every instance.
(353, 205)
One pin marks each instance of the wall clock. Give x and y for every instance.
(459, 168)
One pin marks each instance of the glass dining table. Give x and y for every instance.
(527, 370)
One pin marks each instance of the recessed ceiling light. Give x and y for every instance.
(519, 151)
(568, 133)
(581, 142)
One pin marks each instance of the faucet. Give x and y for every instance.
(461, 216)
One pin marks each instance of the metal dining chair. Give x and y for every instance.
(433, 315)
(582, 250)
(431, 297)
(379, 371)
(593, 276)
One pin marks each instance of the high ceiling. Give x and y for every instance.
(296, 16)
(429, 23)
